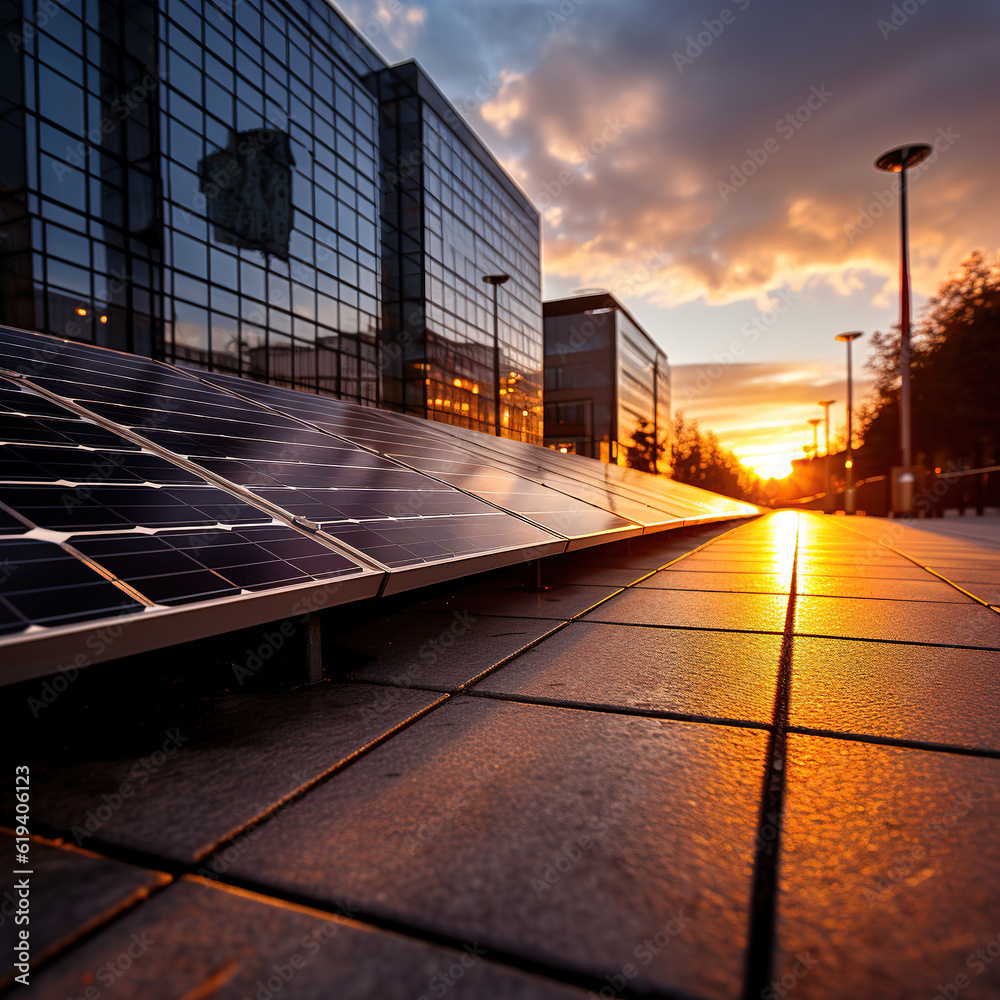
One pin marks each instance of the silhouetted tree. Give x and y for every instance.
(698, 459)
(955, 362)
(644, 450)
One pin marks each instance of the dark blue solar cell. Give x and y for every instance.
(10, 525)
(31, 569)
(157, 570)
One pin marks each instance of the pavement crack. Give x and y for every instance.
(764, 883)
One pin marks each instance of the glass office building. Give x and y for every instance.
(607, 384)
(202, 183)
(452, 216)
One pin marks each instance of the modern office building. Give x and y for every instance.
(204, 183)
(452, 216)
(607, 384)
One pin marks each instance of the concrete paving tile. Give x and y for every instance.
(639, 560)
(705, 563)
(189, 786)
(745, 612)
(569, 837)
(199, 940)
(712, 674)
(966, 575)
(559, 603)
(855, 618)
(734, 583)
(990, 593)
(810, 566)
(949, 564)
(888, 874)
(757, 556)
(430, 648)
(591, 576)
(928, 589)
(922, 693)
(72, 892)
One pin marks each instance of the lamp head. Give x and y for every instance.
(496, 279)
(903, 157)
(848, 337)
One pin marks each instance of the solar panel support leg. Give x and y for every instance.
(314, 650)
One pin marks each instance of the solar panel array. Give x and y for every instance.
(131, 490)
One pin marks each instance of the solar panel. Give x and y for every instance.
(654, 501)
(93, 528)
(391, 514)
(412, 441)
(184, 504)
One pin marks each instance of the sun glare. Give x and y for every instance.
(773, 466)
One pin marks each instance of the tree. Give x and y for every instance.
(644, 451)
(698, 459)
(955, 365)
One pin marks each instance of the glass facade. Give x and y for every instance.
(201, 183)
(451, 218)
(607, 385)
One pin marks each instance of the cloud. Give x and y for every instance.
(751, 163)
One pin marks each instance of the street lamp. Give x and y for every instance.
(496, 280)
(815, 421)
(898, 161)
(828, 504)
(826, 404)
(848, 338)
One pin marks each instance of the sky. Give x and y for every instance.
(711, 163)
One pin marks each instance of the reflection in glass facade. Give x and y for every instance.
(607, 385)
(201, 183)
(451, 216)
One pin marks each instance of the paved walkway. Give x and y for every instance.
(765, 767)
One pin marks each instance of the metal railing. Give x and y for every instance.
(956, 489)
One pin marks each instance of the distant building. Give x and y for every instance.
(450, 216)
(607, 384)
(249, 188)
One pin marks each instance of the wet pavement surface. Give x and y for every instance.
(757, 760)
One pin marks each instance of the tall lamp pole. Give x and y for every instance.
(898, 161)
(496, 280)
(826, 404)
(849, 338)
(815, 421)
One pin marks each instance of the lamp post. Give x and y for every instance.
(898, 161)
(828, 500)
(848, 338)
(826, 404)
(815, 421)
(496, 280)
